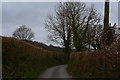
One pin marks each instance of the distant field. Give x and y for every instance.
(23, 60)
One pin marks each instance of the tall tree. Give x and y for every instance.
(86, 26)
(59, 28)
(71, 24)
(77, 16)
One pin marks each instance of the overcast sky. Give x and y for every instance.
(119, 13)
(33, 15)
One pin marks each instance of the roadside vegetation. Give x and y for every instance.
(99, 64)
(91, 42)
(23, 60)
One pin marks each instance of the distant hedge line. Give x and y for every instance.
(23, 60)
(97, 64)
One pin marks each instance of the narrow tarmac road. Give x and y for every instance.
(56, 72)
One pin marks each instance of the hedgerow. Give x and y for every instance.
(23, 60)
(103, 63)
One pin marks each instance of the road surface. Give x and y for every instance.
(56, 72)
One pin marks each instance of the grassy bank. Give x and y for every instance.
(23, 60)
(97, 64)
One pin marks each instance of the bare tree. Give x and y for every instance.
(95, 28)
(74, 25)
(23, 33)
(86, 26)
(58, 26)
(63, 27)
(77, 16)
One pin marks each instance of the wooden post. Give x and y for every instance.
(106, 21)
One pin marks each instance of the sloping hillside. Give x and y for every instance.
(23, 60)
(46, 47)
